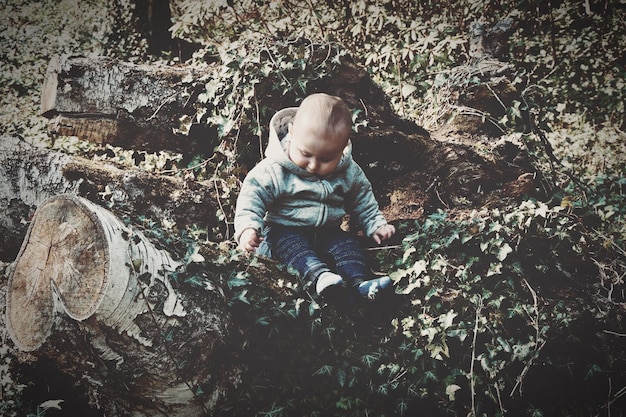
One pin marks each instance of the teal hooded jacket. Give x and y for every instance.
(277, 191)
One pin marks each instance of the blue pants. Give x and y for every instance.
(311, 251)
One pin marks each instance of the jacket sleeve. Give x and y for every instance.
(257, 193)
(362, 205)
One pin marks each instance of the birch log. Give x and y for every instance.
(88, 258)
(97, 298)
(123, 104)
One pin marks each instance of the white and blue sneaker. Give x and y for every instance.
(370, 289)
(326, 281)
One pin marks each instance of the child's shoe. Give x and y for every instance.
(327, 281)
(369, 289)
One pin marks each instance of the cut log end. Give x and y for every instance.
(65, 251)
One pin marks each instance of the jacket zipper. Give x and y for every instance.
(326, 190)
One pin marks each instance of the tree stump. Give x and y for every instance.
(80, 255)
(96, 297)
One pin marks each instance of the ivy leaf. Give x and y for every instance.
(299, 302)
(242, 297)
(407, 90)
(343, 403)
(436, 350)
(504, 251)
(408, 253)
(324, 370)
(196, 258)
(419, 267)
(51, 404)
(430, 333)
(542, 210)
(515, 111)
(369, 359)
(495, 268)
(466, 238)
(451, 390)
(447, 319)
(341, 377)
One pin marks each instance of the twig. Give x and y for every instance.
(167, 100)
(525, 370)
(502, 410)
(616, 397)
(471, 375)
(440, 200)
(397, 377)
(258, 124)
(269, 54)
(478, 113)
(496, 96)
(190, 168)
(364, 107)
(611, 242)
(619, 394)
(219, 203)
(535, 321)
(535, 324)
(433, 184)
(614, 333)
(383, 247)
(325, 59)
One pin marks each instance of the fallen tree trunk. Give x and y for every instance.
(106, 101)
(29, 175)
(98, 299)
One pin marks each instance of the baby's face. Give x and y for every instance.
(317, 153)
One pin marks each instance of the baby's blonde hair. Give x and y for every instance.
(325, 113)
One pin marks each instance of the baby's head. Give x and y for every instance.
(319, 133)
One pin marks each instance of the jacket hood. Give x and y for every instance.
(277, 145)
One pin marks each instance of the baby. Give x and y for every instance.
(292, 203)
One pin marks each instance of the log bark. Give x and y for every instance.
(97, 298)
(29, 175)
(122, 104)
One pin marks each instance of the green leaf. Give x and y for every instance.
(324, 370)
(451, 390)
(495, 268)
(447, 319)
(341, 377)
(407, 90)
(504, 251)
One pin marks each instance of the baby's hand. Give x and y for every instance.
(250, 240)
(383, 233)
